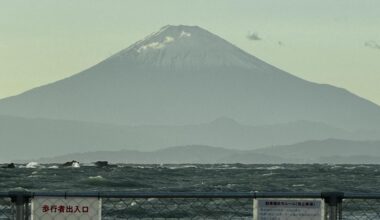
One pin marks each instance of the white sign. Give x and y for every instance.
(288, 209)
(70, 208)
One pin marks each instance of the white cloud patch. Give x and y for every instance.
(254, 36)
(372, 44)
(185, 34)
(168, 39)
(156, 45)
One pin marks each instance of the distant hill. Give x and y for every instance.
(32, 138)
(332, 151)
(185, 154)
(186, 75)
(174, 155)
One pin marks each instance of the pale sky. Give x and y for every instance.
(326, 41)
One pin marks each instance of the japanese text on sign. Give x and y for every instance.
(288, 209)
(46, 208)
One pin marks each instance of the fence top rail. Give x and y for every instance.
(124, 194)
(183, 195)
(4, 194)
(362, 195)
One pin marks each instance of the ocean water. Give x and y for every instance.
(194, 178)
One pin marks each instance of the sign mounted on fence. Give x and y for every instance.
(288, 209)
(70, 208)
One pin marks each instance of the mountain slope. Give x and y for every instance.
(187, 75)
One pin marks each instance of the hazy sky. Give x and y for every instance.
(326, 41)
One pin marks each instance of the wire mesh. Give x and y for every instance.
(363, 209)
(6, 208)
(187, 206)
(177, 208)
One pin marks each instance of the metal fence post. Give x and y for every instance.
(21, 201)
(333, 200)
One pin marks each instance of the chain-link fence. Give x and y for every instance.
(361, 206)
(124, 205)
(177, 208)
(6, 207)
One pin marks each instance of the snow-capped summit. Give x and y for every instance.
(186, 47)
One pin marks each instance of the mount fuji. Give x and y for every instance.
(186, 75)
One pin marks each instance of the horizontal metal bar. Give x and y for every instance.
(175, 195)
(4, 194)
(361, 195)
(115, 194)
(124, 194)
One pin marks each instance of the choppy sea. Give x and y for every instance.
(193, 178)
